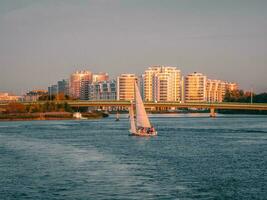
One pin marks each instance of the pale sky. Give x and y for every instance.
(43, 41)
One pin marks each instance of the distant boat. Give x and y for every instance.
(140, 124)
(78, 115)
(117, 117)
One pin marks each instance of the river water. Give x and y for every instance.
(193, 157)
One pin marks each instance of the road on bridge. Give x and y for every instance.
(224, 106)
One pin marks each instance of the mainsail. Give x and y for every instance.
(141, 116)
(131, 112)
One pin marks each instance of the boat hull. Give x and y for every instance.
(143, 134)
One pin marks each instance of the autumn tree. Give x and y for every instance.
(15, 107)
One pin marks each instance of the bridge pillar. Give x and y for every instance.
(212, 112)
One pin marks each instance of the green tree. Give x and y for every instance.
(67, 107)
(244, 97)
(260, 98)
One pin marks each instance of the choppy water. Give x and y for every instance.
(193, 157)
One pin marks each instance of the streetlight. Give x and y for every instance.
(251, 95)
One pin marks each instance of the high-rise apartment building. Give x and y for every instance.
(105, 90)
(141, 85)
(195, 87)
(125, 86)
(53, 90)
(182, 90)
(215, 90)
(79, 84)
(63, 87)
(162, 83)
(100, 77)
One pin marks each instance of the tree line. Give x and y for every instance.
(49, 106)
(58, 97)
(244, 97)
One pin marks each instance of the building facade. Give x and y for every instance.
(215, 90)
(63, 87)
(105, 90)
(5, 97)
(125, 86)
(53, 90)
(231, 86)
(195, 87)
(182, 90)
(162, 83)
(141, 85)
(79, 84)
(34, 95)
(100, 77)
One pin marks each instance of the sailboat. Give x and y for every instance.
(140, 125)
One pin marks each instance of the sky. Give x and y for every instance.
(43, 41)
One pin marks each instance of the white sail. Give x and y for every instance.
(141, 116)
(131, 112)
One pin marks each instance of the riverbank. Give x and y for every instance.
(243, 112)
(49, 116)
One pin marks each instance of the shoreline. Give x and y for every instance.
(49, 116)
(88, 116)
(47, 119)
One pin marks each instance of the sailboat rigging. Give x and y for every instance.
(140, 126)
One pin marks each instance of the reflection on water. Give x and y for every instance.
(193, 157)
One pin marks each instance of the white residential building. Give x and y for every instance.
(195, 87)
(162, 83)
(125, 86)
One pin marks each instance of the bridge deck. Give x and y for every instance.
(232, 106)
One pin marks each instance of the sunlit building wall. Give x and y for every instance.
(79, 84)
(34, 95)
(125, 86)
(182, 90)
(141, 85)
(162, 83)
(5, 97)
(162, 87)
(215, 90)
(195, 87)
(231, 86)
(100, 77)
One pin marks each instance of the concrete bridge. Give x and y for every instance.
(161, 105)
(176, 105)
